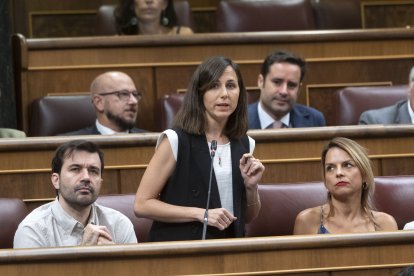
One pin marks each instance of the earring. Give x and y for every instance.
(133, 21)
(164, 19)
(364, 186)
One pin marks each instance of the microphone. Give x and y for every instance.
(213, 149)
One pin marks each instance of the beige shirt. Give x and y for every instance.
(50, 226)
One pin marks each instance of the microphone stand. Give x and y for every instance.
(213, 148)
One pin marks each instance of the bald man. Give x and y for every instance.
(116, 99)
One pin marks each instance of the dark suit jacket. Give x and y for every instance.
(300, 116)
(394, 114)
(92, 130)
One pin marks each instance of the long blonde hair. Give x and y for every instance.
(360, 156)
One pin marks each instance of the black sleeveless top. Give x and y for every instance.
(188, 186)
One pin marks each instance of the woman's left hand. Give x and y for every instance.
(251, 169)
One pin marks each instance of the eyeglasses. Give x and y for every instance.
(124, 95)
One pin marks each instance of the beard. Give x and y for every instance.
(120, 122)
(275, 110)
(77, 201)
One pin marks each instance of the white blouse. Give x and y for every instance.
(221, 164)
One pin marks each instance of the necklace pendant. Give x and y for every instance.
(220, 161)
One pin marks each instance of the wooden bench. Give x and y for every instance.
(352, 254)
(25, 170)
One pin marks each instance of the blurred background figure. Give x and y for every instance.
(11, 133)
(400, 113)
(147, 17)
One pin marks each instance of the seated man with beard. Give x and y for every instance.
(116, 103)
(74, 218)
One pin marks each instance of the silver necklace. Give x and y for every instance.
(219, 156)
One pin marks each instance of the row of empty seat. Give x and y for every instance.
(52, 115)
(260, 15)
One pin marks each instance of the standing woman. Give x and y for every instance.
(149, 17)
(174, 188)
(349, 181)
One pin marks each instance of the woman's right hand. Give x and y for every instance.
(219, 218)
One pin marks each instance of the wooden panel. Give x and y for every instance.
(161, 65)
(290, 155)
(55, 24)
(399, 166)
(352, 254)
(387, 13)
(130, 180)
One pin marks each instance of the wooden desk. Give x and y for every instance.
(290, 155)
(160, 65)
(353, 254)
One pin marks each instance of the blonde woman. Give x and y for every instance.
(349, 181)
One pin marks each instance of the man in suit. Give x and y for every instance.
(399, 113)
(116, 99)
(279, 82)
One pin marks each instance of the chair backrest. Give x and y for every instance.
(337, 14)
(125, 204)
(352, 101)
(281, 203)
(264, 15)
(105, 20)
(169, 105)
(12, 212)
(394, 195)
(52, 115)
